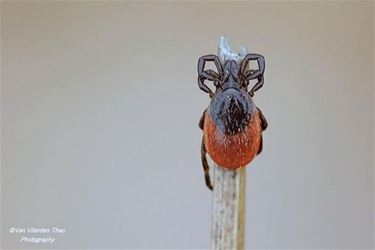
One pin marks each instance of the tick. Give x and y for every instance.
(232, 124)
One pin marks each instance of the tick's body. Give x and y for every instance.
(232, 151)
(232, 124)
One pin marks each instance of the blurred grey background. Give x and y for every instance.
(100, 110)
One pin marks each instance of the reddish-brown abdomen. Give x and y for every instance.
(232, 151)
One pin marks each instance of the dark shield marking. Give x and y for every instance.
(231, 110)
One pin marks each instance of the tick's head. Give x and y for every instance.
(231, 70)
(231, 75)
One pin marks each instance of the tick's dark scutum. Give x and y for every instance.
(231, 109)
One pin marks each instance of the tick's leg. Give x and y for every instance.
(205, 166)
(210, 58)
(209, 75)
(257, 86)
(264, 125)
(204, 87)
(253, 74)
(263, 121)
(201, 121)
(250, 57)
(203, 155)
(260, 145)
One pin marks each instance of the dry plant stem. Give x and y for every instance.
(228, 227)
(229, 186)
